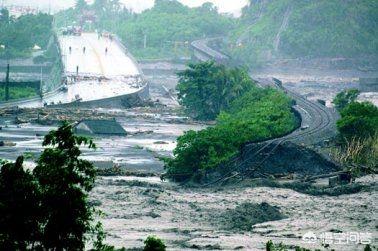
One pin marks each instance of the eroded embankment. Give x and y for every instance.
(272, 159)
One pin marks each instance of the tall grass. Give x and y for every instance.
(359, 155)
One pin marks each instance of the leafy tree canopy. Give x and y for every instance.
(344, 98)
(358, 120)
(167, 28)
(48, 209)
(313, 29)
(21, 34)
(254, 114)
(207, 88)
(19, 207)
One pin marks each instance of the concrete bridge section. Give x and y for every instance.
(204, 53)
(98, 72)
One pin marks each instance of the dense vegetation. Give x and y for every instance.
(205, 89)
(344, 98)
(164, 31)
(48, 208)
(18, 93)
(314, 29)
(153, 243)
(358, 132)
(19, 35)
(358, 120)
(256, 115)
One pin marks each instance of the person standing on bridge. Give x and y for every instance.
(106, 50)
(84, 49)
(70, 48)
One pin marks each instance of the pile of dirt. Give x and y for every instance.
(287, 158)
(244, 216)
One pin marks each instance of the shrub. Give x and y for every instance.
(257, 115)
(19, 207)
(205, 89)
(48, 209)
(344, 98)
(358, 120)
(153, 243)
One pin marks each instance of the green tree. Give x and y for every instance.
(65, 180)
(4, 16)
(81, 5)
(344, 98)
(19, 35)
(358, 120)
(153, 243)
(19, 208)
(207, 88)
(257, 115)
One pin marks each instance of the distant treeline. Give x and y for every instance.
(266, 30)
(164, 31)
(19, 35)
(291, 28)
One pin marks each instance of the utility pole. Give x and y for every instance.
(145, 41)
(40, 85)
(7, 84)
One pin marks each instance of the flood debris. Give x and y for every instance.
(246, 215)
(7, 143)
(340, 179)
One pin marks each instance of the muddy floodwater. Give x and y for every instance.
(188, 218)
(191, 219)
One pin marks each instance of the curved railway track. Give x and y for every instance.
(319, 119)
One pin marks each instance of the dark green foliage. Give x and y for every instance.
(168, 22)
(168, 27)
(49, 209)
(368, 248)
(18, 92)
(65, 181)
(344, 98)
(319, 28)
(358, 120)
(81, 5)
(153, 243)
(21, 34)
(207, 88)
(257, 115)
(19, 207)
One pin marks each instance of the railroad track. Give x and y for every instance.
(320, 122)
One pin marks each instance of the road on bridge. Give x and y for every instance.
(105, 70)
(95, 60)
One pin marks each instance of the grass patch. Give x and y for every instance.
(18, 93)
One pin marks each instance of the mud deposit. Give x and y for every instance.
(246, 215)
(192, 218)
